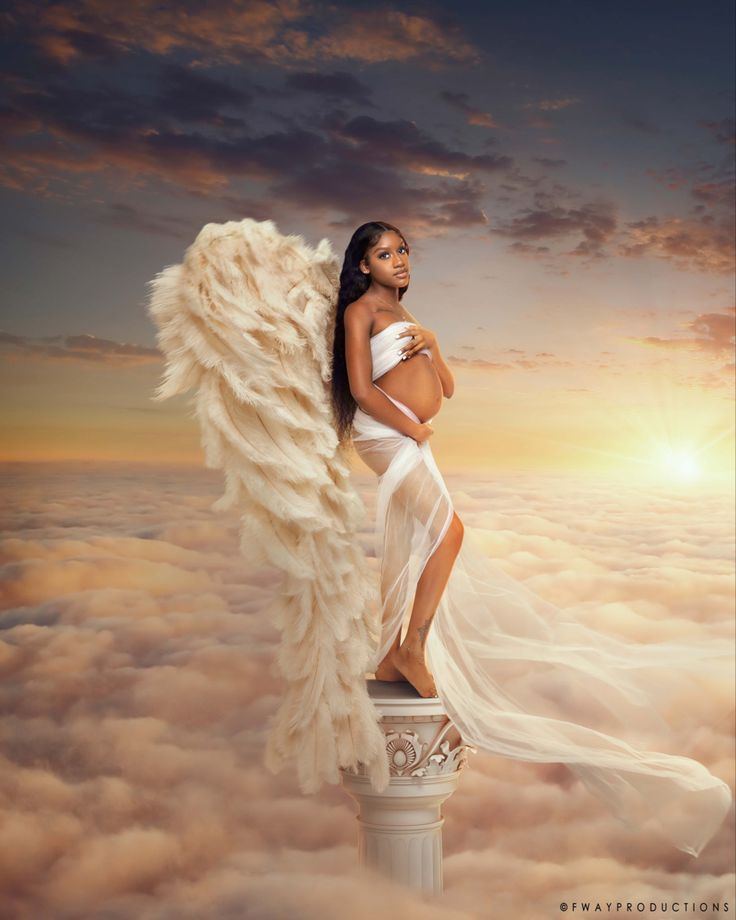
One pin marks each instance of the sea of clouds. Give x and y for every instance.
(137, 689)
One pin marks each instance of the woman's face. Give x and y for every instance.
(387, 261)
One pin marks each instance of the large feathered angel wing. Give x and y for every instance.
(246, 320)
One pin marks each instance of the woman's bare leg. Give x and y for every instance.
(405, 662)
(408, 658)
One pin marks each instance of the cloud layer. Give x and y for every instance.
(137, 689)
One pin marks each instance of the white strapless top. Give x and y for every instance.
(385, 348)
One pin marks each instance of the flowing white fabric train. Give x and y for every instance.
(522, 678)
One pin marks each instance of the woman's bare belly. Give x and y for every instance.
(415, 383)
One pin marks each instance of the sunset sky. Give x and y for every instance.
(565, 181)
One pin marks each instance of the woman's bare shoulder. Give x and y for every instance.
(359, 315)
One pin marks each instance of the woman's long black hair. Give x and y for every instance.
(353, 283)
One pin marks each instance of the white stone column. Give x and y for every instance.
(400, 829)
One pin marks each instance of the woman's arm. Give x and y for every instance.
(360, 367)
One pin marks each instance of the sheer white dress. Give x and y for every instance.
(522, 678)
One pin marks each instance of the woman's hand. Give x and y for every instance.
(422, 432)
(423, 338)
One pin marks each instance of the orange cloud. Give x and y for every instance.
(694, 244)
(517, 360)
(226, 31)
(714, 333)
(474, 116)
(477, 362)
(401, 37)
(76, 348)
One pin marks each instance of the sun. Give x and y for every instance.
(681, 464)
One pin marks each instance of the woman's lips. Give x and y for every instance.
(401, 274)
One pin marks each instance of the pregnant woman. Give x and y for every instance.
(518, 676)
(397, 378)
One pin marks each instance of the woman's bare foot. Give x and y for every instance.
(410, 662)
(387, 670)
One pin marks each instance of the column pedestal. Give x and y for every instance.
(400, 829)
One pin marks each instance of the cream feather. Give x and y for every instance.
(246, 321)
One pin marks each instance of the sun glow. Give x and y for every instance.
(680, 463)
(652, 429)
